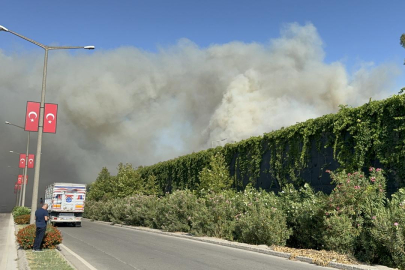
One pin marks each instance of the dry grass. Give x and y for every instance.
(320, 257)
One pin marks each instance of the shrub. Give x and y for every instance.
(175, 211)
(116, 213)
(98, 210)
(261, 219)
(24, 219)
(350, 210)
(21, 210)
(141, 210)
(389, 229)
(304, 211)
(26, 237)
(340, 234)
(222, 209)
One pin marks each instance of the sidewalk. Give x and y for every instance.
(8, 247)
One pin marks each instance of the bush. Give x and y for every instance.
(222, 209)
(24, 219)
(175, 211)
(304, 211)
(21, 210)
(141, 210)
(389, 229)
(26, 237)
(261, 221)
(349, 213)
(100, 210)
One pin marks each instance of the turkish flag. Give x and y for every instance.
(31, 161)
(22, 161)
(50, 113)
(32, 116)
(19, 181)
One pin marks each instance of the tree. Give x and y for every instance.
(216, 176)
(102, 187)
(128, 181)
(151, 186)
(402, 41)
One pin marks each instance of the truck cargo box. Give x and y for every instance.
(65, 202)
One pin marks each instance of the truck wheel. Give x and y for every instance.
(78, 224)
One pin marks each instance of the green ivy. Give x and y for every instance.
(358, 136)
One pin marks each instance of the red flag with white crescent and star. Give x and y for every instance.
(32, 116)
(31, 161)
(19, 180)
(21, 164)
(50, 113)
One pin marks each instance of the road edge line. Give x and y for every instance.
(77, 257)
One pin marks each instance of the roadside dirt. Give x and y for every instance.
(320, 257)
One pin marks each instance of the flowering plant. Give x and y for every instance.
(26, 237)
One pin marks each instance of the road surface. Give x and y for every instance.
(111, 247)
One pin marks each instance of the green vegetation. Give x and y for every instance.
(356, 138)
(26, 237)
(217, 192)
(23, 219)
(216, 176)
(355, 219)
(20, 211)
(48, 259)
(402, 41)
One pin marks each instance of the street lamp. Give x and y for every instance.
(17, 193)
(20, 200)
(26, 164)
(41, 112)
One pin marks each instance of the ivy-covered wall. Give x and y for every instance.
(353, 138)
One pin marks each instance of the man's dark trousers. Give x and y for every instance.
(39, 236)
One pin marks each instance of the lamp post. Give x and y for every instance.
(26, 164)
(41, 111)
(15, 191)
(22, 183)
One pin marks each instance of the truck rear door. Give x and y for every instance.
(68, 202)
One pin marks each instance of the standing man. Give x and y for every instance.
(41, 218)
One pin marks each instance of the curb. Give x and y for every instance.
(22, 259)
(259, 249)
(58, 249)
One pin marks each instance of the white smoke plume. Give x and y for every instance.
(129, 105)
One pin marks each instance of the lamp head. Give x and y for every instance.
(2, 28)
(89, 47)
(11, 151)
(7, 122)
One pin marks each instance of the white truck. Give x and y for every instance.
(65, 203)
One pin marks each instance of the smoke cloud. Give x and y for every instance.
(129, 105)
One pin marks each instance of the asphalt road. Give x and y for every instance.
(111, 247)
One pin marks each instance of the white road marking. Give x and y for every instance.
(78, 257)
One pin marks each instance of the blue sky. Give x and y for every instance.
(352, 31)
